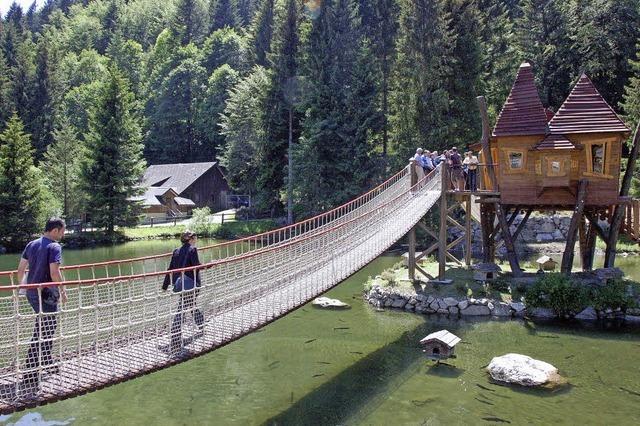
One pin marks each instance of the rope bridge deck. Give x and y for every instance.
(115, 328)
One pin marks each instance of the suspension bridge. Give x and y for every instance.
(115, 325)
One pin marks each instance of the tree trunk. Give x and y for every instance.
(290, 170)
(567, 257)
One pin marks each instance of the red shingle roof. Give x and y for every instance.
(552, 142)
(522, 113)
(585, 111)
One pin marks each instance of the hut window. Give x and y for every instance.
(515, 161)
(598, 158)
(436, 351)
(556, 166)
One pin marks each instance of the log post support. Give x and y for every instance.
(567, 257)
(444, 212)
(508, 241)
(487, 219)
(411, 261)
(467, 231)
(616, 221)
(588, 250)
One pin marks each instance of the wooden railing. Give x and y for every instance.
(631, 222)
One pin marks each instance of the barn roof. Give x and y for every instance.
(443, 336)
(177, 176)
(522, 113)
(553, 142)
(151, 196)
(586, 111)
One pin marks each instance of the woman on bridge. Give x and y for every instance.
(186, 284)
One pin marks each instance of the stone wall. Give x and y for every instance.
(380, 297)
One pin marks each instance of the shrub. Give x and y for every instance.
(390, 277)
(201, 223)
(612, 295)
(559, 293)
(461, 288)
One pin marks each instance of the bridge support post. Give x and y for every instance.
(587, 244)
(567, 257)
(467, 231)
(411, 261)
(442, 237)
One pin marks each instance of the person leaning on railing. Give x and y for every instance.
(186, 283)
(43, 256)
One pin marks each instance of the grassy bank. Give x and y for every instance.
(227, 231)
(624, 245)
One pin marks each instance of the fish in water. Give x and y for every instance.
(309, 341)
(318, 375)
(629, 391)
(355, 352)
(419, 403)
(484, 402)
(569, 357)
(547, 336)
(485, 388)
(341, 328)
(495, 419)
(465, 343)
(324, 362)
(273, 364)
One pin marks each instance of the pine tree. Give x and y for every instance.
(222, 14)
(62, 162)
(42, 108)
(225, 46)
(173, 135)
(188, 23)
(114, 164)
(420, 99)
(631, 102)
(6, 101)
(500, 57)
(463, 83)
(15, 17)
(262, 32)
(210, 110)
(243, 125)
(543, 39)
(605, 34)
(332, 161)
(21, 198)
(32, 20)
(281, 114)
(109, 24)
(246, 10)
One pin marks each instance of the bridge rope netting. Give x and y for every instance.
(117, 322)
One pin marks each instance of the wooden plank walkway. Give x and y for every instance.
(282, 282)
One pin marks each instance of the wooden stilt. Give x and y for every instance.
(467, 243)
(487, 218)
(442, 240)
(567, 257)
(589, 250)
(411, 261)
(522, 224)
(616, 222)
(508, 242)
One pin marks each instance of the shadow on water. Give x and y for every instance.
(368, 379)
(444, 370)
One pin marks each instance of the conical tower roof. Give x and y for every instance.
(522, 113)
(586, 111)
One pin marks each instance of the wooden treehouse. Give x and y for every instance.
(547, 162)
(535, 160)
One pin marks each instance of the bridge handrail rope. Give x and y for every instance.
(116, 328)
(228, 248)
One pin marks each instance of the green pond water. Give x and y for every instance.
(365, 367)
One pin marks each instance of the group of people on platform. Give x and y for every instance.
(40, 263)
(463, 172)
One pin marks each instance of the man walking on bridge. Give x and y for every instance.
(43, 256)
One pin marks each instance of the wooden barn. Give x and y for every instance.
(176, 189)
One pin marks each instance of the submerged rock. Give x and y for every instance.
(325, 302)
(522, 370)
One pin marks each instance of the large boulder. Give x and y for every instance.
(522, 370)
(475, 310)
(587, 314)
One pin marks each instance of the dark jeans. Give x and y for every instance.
(187, 303)
(472, 180)
(45, 328)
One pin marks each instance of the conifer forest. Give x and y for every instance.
(91, 91)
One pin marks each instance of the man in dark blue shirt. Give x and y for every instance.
(43, 256)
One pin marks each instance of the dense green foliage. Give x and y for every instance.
(359, 84)
(21, 186)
